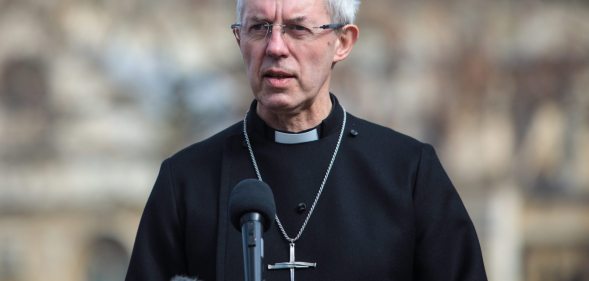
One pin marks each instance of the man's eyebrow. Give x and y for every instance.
(298, 19)
(256, 19)
(264, 19)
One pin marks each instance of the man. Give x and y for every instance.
(355, 200)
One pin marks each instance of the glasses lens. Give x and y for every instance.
(297, 31)
(258, 30)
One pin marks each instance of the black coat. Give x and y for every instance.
(388, 210)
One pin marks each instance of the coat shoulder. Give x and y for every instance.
(383, 138)
(208, 148)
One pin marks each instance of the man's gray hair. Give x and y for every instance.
(340, 11)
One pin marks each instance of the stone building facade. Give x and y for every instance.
(94, 94)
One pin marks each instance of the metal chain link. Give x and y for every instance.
(259, 175)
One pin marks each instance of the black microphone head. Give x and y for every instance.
(252, 195)
(183, 278)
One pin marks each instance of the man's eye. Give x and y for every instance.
(258, 26)
(298, 31)
(296, 27)
(299, 27)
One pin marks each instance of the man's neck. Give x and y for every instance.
(297, 120)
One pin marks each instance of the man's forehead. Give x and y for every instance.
(287, 10)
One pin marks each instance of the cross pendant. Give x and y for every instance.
(292, 264)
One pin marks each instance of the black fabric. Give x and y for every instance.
(388, 210)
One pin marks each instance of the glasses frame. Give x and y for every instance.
(236, 27)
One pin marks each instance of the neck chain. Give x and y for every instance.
(259, 175)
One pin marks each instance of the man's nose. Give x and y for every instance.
(277, 45)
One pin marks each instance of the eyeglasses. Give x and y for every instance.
(261, 30)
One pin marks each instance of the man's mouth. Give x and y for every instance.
(278, 78)
(277, 74)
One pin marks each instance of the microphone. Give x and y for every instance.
(251, 209)
(183, 278)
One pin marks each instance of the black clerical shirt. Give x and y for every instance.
(388, 210)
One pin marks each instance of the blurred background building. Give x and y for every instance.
(94, 94)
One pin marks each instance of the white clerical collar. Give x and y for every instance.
(290, 138)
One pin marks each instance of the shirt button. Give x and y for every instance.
(301, 208)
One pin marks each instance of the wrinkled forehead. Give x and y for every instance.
(285, 10)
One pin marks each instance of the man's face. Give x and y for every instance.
(286, 74)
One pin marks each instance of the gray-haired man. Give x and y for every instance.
(355, 201)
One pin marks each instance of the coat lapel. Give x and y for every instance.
(236, 166)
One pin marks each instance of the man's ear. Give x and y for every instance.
(237, 38)
(347, 37)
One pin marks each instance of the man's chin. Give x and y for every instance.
(278, 101)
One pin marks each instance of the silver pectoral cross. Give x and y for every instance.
(292, 264)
